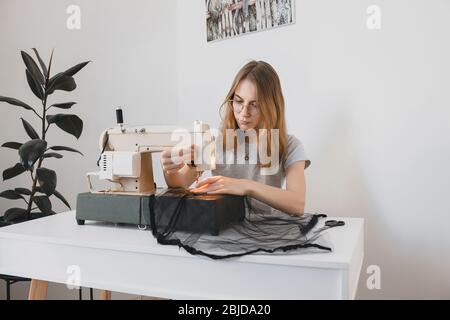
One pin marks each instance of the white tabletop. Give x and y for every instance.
(63, 229)
(58, 238)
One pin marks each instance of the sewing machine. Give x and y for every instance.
(126, 161)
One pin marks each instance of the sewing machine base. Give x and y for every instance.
(203, 213)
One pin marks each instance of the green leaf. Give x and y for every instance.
(29, 129)
(66, 105)
(70, 123)
(31, 151)
(61, 81)
(60, 197)
(72, 71)
(62, 148)
(52, 155)
(50, 64)
(3, 223)
(43, 67)
(47, 180)
(12, 145)
(34, 85)
(13, 171)
(11, 194)
(64, 80)
(32, 68)
(15, 215)
(15, 102)
(43, 203)
(24, 191)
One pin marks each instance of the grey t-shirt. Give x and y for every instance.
(294, 152)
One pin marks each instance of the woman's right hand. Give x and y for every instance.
(174, 159)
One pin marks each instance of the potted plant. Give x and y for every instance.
(32, 154)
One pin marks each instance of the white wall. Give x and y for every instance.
(372, 109)
(132, 48)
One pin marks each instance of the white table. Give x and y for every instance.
(124, 259)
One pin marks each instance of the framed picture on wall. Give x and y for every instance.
(230, 18)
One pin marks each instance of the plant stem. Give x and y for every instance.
(44, 110)
(44, 131)
(33, 191)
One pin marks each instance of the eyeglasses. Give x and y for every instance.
(238, 106)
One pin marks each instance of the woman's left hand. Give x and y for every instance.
(223, 185)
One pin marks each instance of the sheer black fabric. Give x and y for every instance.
(258, 230)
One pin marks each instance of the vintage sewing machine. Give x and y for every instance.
(126, 161)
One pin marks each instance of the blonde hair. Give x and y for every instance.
(269, 99)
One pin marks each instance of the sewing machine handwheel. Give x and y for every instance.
(80, 222)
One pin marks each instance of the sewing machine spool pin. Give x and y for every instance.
(119, 118)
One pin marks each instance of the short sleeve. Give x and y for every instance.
(295, 152)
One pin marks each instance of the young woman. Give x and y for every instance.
(254, 102)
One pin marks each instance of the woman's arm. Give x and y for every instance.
(291, 200)
(176, 172)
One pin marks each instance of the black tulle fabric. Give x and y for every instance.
(260, 231)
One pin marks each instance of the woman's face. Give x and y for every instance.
(245, 98)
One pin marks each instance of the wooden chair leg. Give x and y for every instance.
(105, 295)
(38, 290)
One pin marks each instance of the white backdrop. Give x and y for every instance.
(371, 107)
